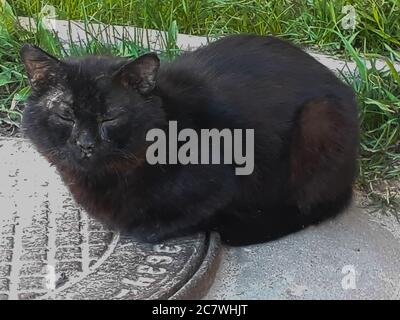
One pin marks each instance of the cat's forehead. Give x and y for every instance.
(82, 97)
(58, 97)
(92, 68)
(87, 87)
(89, 80)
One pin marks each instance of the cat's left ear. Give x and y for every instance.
(41, 67)
(140, 73)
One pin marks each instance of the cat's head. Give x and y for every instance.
(92, 111)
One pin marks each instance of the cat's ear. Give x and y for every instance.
(140, 73)
(41, 67)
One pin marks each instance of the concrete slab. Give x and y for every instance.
(355, 256)
(78, 32)
(51, 249)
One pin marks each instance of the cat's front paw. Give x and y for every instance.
(144, 237)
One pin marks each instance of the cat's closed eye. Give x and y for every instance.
(105, 124)
(65, 117)
(110, 120)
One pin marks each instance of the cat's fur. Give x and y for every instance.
(306, 137)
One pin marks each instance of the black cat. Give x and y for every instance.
(89, 117)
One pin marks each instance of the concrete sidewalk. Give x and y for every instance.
(355, 256)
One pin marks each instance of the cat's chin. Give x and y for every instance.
(71, 162)
(76, 166)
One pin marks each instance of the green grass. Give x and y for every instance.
(14, 87)
(304, 21)
(378, 95)
(377, 34)
(12, 82)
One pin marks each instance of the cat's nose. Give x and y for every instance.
(86, 147)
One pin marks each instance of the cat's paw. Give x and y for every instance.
(144, 237)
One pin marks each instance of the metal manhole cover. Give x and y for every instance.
(50, 248)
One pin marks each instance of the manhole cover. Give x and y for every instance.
(50, 248)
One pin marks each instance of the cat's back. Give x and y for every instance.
(262, 66)
(258, 77)
(240, 54)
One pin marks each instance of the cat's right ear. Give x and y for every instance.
(140, 73)
(41, 67)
